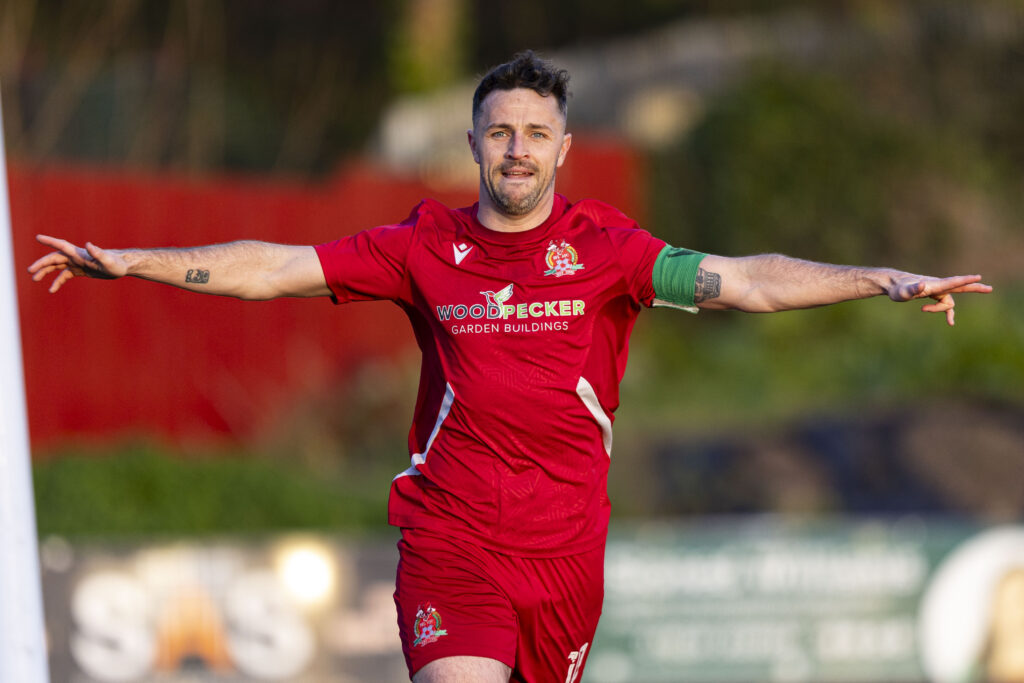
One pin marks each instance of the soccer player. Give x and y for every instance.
(522, 305)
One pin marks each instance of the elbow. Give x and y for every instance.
(753, 299)
(765, 305)
(263, 288)
(253, 292)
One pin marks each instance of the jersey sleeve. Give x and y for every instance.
(658, 274)
(368, 265)
(637, 251)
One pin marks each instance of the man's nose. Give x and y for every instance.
(516, 149)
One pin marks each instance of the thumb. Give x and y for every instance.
(905, 291)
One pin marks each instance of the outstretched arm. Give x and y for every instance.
(772, 282)
(246, 270)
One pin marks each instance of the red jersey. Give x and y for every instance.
(524, 339)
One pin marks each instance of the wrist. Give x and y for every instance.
(879, 281)
(132, 258)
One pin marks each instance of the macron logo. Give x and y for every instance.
(461, 251)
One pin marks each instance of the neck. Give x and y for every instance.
(493, 218)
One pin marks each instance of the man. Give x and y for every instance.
(522, 306)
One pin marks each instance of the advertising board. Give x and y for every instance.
(739, 599)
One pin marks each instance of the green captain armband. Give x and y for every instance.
(674, 278)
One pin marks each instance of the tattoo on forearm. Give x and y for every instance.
(197, 276)
(707, 286)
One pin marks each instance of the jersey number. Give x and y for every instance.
(576, 664)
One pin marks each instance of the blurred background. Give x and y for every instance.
(856, 456)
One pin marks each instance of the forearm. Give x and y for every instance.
(768, 283)
(245, 269)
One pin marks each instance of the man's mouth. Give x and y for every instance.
(516, 172)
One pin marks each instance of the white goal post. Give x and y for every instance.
(23, 655)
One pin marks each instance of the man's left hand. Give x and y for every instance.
(907, 287)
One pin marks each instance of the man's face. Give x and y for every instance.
(519, 140)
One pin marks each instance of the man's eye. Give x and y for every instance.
(499, 134)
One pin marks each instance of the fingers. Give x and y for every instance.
(63, 246)
(47, 240)
(86, 258)
(67, 259)
(54, 261)
(46, 264)
(40, 271)
(954, 285)
(65, 252)
(919, 287)
(73, 260)
(942, 289)
(39, 274)
(978, 288)
(943, 304)
(59, 281)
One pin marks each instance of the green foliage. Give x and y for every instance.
(428, 46)
(796, 163)
(721, 371)
(504, 28)
(718, 382)
(143, 489)
(214, 86)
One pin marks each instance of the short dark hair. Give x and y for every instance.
(526, 70)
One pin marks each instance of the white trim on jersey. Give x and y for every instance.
(420, 458)
(589, 397)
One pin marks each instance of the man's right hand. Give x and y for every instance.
(70, 260)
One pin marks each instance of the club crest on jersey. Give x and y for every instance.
(562, 259)
(427, 627)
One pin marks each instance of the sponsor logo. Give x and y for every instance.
(562, 259)
(163, 611)
(478, 318)
(498, 298)
(461, 251)
(427, 627)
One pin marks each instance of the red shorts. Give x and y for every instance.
(537, 615)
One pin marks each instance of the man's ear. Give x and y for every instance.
(472, 145)
(566, 144)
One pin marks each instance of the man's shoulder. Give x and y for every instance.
(607, 225)
(435, 207)
(602, 214)
(433, 215)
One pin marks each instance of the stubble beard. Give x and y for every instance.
(515, 205)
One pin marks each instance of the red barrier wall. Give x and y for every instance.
(103, 359)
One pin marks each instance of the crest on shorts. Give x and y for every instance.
(427, 627)
(562, 259)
